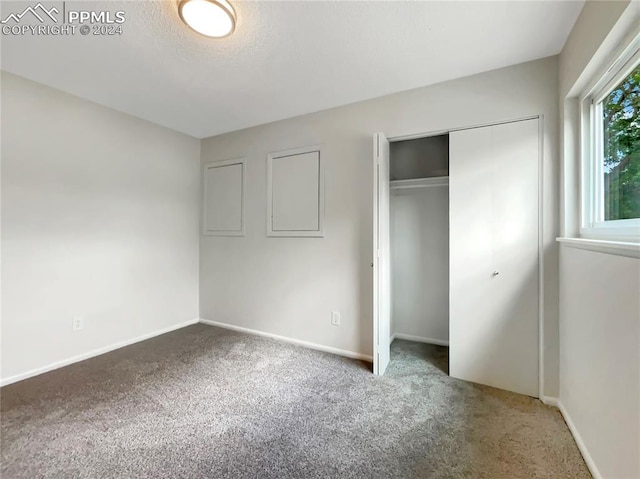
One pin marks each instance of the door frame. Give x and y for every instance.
(541, 316)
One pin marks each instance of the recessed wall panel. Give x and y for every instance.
(223, 198)
(295, 193)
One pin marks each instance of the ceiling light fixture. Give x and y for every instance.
(212, 18)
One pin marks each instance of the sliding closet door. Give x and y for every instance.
(493, 195)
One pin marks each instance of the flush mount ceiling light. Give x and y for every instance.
(212, 18)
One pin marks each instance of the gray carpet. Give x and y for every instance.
(205, 402)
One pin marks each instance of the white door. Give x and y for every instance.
(493, 201)
(381, 256)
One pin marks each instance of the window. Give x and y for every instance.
(611, 183)
(619, 130)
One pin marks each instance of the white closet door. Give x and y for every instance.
(493, 201)
(382, 256)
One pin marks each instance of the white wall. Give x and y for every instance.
(600, 356)
(420, 262)
(289, 286)
(597, 31)
(599, 292)
(99, 218)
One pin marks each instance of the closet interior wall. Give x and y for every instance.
(420, 239)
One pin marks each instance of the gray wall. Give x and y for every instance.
(420, 262)
(420, 158)
(599, 306)
(289, 286)
(99, 219)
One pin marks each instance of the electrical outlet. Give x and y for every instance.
(78, 323)
(335, 318)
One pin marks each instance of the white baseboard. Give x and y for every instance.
(93, 353)
(550, 401)
(555, 402)
(581, 445)
(420, 339)
(307, 344)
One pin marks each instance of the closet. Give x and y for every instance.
(457, 258)
(419, 236)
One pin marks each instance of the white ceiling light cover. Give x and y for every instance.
(212, 18)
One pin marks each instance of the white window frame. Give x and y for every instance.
(593, 224)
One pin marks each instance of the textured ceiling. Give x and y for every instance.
(285, 58)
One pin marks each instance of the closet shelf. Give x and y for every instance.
(419, 183)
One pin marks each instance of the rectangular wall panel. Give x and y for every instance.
(295, 203)
(223, 198)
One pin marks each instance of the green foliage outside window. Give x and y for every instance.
(621, 141)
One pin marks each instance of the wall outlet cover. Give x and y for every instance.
(78, 323)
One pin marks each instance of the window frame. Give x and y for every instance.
(592, 223)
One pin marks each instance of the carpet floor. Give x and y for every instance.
(202, 402)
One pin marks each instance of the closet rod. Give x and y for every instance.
(419, 183)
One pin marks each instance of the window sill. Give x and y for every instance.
(619, 248)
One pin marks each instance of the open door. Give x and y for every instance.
(381, 256)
